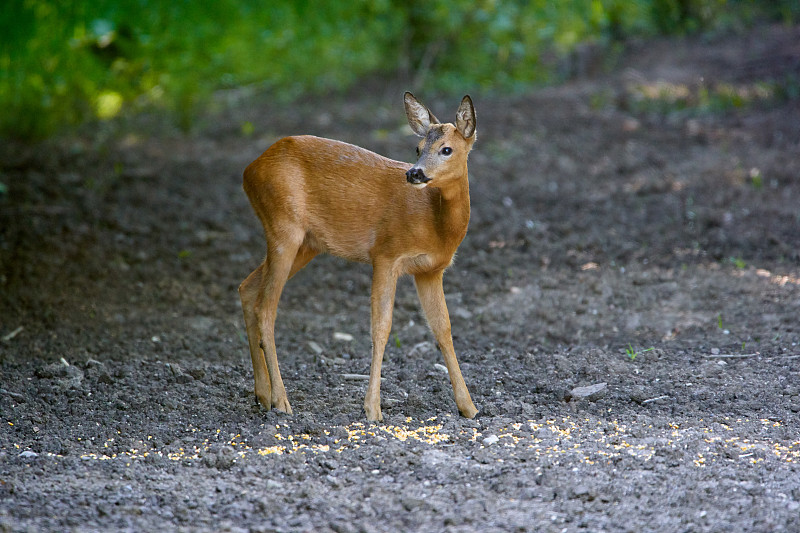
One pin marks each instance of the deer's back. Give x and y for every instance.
(342, 196)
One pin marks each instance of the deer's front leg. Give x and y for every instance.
(384, 283)
(431, 296)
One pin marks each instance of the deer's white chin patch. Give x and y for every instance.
(419, 185)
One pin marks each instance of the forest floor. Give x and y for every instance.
(636, 232)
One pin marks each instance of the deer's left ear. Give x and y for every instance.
(465, 118)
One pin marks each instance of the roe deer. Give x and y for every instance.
(316, 195)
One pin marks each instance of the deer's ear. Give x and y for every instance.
(465, 118)
(420, 117)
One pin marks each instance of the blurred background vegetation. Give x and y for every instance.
(65, 62)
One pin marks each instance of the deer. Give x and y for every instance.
(315, 195)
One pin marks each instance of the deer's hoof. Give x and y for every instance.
(282, 404)
(469, 411)
(373, 413)
(264, 400)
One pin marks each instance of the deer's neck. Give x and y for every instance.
(452, 213)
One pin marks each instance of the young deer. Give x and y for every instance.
(316, 195)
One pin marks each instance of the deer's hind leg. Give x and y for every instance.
(248, 293)
(281, 258)
(304, 255)
(260, 293)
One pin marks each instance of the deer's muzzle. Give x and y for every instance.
(416, 176)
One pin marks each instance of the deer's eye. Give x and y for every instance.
(446, 150)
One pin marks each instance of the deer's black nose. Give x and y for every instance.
(416, 175)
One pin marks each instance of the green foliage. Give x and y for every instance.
(64, 62)
(739, 263)
(681, 16)
(665, 98)
(632, 354)
(493, 44)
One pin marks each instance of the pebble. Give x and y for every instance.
(273, 484)
(590, 392)
(421, 348)
(201, 323)
(27, 454)
(178, 374)
(491, 439)
(462, 312)
(316, 348)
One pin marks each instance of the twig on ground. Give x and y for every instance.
(357, 377)
(730, 355)
(651, 400)
(15, 395)
(52, 210)
(13, 334)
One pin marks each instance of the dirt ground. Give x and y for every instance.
(626, 236)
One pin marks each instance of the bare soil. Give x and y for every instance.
(645, 247)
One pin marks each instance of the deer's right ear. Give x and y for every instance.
(419, 117)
